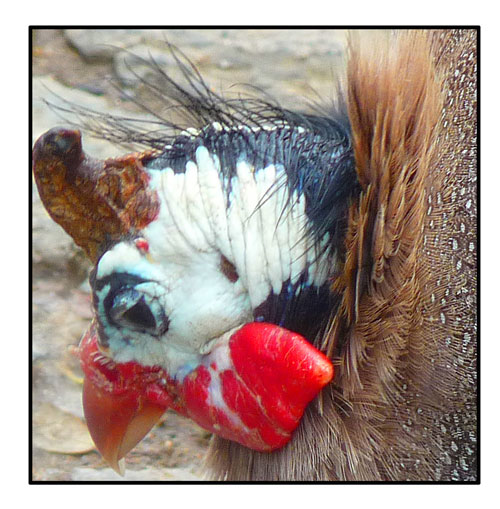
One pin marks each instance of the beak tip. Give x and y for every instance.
(118, 467)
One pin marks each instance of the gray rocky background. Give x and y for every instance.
(294, 66)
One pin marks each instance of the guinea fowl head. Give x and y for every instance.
(213, 264)
(236, 262)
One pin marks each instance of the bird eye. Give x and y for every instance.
(140, 315)
(137, 310)
(130, 309)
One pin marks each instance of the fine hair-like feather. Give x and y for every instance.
(401, 328)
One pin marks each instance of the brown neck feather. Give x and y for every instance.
(402, 405)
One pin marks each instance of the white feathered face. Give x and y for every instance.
(212, 305)
(222, 252)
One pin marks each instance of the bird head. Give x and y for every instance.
(213, 265)
(236, 261)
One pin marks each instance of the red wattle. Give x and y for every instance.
(259, 396)
(280, 366)
(252, 389)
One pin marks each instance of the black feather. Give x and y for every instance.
(315, 151)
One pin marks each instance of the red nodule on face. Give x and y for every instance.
(252, 390)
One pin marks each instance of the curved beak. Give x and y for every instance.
(121, 402)
(117, 422)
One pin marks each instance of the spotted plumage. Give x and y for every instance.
(354, 228)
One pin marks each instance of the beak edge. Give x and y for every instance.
(117, 423)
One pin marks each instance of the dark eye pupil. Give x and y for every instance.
(139, 316)
(129, 308)
(130, 304)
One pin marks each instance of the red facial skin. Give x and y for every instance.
(257, 397)
(252, 389)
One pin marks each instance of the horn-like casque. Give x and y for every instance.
(96, 202)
